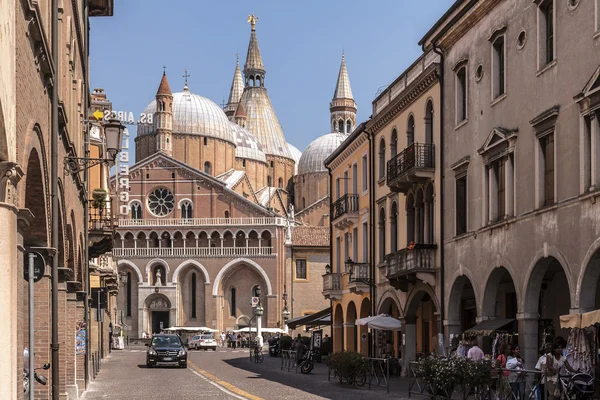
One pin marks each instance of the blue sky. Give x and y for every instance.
(301, 44)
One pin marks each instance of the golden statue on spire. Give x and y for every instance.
(252, 21)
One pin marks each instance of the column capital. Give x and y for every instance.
(522, 316)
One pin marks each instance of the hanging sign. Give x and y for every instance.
(39, 265)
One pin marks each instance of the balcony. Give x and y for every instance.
(176, 222)
(407, 266)
(344, 211)
(359, 277)
(332, 286)
(414, 164)
(185, 252)
(100, 232)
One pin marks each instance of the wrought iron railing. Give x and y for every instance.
(360, 273)
(332, 281)
(348, 203)
(419, 256)
(417, 155)
(100, 219)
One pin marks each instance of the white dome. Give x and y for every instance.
(194, 114)
(317, 151)
(246, 144)
(296, 154)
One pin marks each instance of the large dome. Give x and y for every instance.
(194, 114)
(246, 145)
(317, 151)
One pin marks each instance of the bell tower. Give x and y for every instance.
(163, 118)
(342, 107)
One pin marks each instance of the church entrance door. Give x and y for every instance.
(159, 317)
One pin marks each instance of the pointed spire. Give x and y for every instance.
(237, 86)
(163, 88)
(343, 89)
(254, 63)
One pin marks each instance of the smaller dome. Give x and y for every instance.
(246, 145)
(296, 154)
(318, 150)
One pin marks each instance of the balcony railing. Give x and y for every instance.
(416, 156)
(332, 282)
(419, 258)
(100, 221)
(360, 272)
(253, 221)
(180, 252)
(348, 203)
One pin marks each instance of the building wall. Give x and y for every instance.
(316, 259)
(533, 239)
(310, 188)
(255, 170)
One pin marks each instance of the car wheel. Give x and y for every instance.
(183, 365)
(214, 349)
(148, 365)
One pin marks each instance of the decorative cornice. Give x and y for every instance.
(350, 148)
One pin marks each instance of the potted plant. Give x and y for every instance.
(99, 198)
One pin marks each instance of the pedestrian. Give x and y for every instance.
(475, 353)
(298, 347)
(555, 362)
(222, 339)
(228, 336)
(516, 378)
(502, 385)
(233, 340)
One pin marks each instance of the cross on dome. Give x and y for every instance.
(186, 76)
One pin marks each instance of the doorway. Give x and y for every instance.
(159, 317)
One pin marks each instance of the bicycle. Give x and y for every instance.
(307, 362)
(257, 355)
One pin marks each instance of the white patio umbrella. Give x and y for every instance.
(381, 321)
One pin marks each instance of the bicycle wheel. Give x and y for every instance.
(259, 357)
(307, 366)
(361, 378)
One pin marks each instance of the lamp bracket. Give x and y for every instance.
(74, 165)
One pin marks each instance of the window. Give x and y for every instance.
(280, 182)
(193, 297)
(382, 159)
(345, 182)
(232, 306)
(461, 205)
(186, 210)
(354, 179)
(381, 235)
(226, 214)
(394, 228)
(429, 123)
(272, 164)
(597, 15)
(365, 173)
(546, 32)
(136, 210)
(590, 164)
(128, 305)
(337, 188)
(338, 250)
(300, 269)
(161, 202)
(355, 244)
(498, 67)
(496, 181)
(303, 203)
(346, 245)
(341, 126)
(394, 143)
(205, 141)
(348, 126)
(410, 131)
(207, 168)
(244, 162)
(461, 94)
(365, 241)
(547, 152)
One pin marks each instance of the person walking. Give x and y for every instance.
(233, 340)
(475, 353)
(516, 378)
(222, 339)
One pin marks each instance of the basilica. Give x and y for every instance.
(222, 205)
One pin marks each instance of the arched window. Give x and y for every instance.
(348, 126)
(429, 122)
(193, 291)
(382, 158)
(128, 306)
(341, 126)
(410, 131)
(258, 81)
(280, 182)
(410, 219)
(205, 140)
(381, 235)
(207, 168)
(226, 214)
(136, 210)
(269, 181)
(394, 143)
(186, 210)
(232, 306)
(303, 203)
(394, 228)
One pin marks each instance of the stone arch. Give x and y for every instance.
(218, 280)
(154, 262)
(461, 278)
(201, 268)
(495, 278)
(36, 233)
(536, 272)
(338, 328)
(416, 295)
(587, 282)
(122, 263)
(388, 298)
(243, 321)
(429, 115)
(350, 326)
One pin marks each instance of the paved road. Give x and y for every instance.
(224, 374)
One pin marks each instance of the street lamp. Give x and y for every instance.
(350, 267)
(285, 313)
(113, 134)
(124, 277)
(328, 269)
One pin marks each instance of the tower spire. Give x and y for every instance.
(254, 69)
(237, 88)
(342, 106)
(163, 87)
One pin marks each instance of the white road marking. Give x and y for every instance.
(221, 388)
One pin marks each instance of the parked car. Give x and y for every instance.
(206, 342)
(166, 348)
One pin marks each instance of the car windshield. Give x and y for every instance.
(206, 337)
(166, 341)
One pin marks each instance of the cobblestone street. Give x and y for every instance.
(223, 374)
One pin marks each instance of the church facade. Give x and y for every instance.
(213, 211)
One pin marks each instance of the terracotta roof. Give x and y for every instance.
(310, 236)
(240, 112)
(164, 88)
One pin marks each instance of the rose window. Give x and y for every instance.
(161, 202)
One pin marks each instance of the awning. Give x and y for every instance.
(570, 321)
(322, 317)
(382, 322)
(489, 326)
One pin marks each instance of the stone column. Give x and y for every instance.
(417, 223)
(426, 223)
(338, 338)
(349, 333)
(528, 338)
(409, 345)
